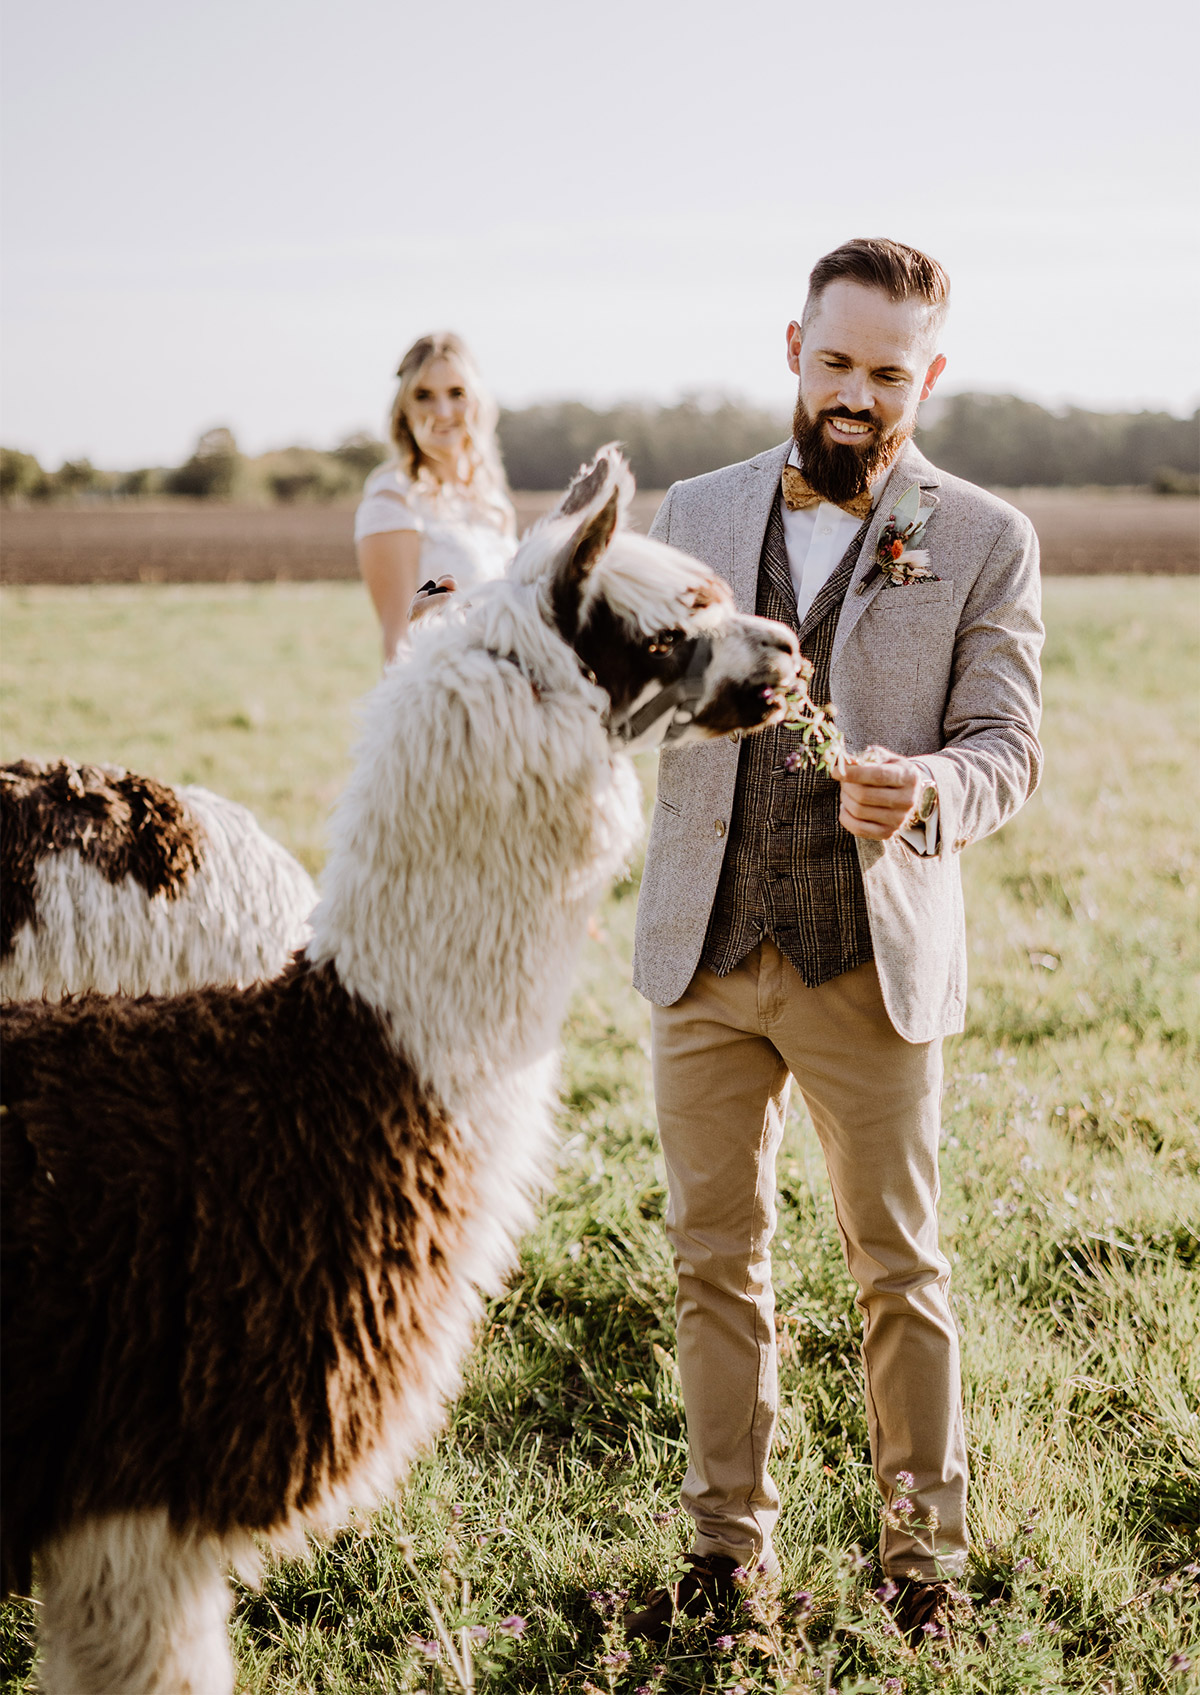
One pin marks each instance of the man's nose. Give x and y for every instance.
(855, 394)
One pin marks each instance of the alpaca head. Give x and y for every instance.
(656, 629)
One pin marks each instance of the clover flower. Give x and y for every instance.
(724, 1643)
(887, 1591)
(513, 1625)
(614, 1661)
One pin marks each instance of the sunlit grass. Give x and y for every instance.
(1071, 1204)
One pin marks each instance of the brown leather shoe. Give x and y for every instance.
(922, 1611)
(708, 1587)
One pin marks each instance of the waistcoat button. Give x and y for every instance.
(719, 827)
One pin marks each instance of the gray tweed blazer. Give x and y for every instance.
(946, 672)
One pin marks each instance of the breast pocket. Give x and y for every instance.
(913, 597)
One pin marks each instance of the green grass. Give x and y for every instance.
(1071, 1210)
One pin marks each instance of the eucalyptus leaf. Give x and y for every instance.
(905, 510)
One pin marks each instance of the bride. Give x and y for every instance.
(439, 509)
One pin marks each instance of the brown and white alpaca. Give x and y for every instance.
(114, 882)
(249, 1232)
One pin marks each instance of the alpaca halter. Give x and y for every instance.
(677, 698)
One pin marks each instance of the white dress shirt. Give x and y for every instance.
(817, 538)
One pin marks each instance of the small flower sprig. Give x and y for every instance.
(824, 745)
(899, 555)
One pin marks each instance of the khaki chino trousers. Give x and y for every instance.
(724, 1057)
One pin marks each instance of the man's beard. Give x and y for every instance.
(838, 473)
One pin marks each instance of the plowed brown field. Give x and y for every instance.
(1082, 532)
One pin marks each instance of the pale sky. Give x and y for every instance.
(243, 211)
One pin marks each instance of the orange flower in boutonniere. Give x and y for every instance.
(899, 557)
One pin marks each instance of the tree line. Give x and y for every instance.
(998, 440)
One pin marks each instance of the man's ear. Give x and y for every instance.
(794, 334)
(932, 374)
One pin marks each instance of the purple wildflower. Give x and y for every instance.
(802, 1601)
(478, 1632)
(904, 1481)
(724, 1643)
(662, 1518)
(739, 1574)
(620, 1658)
(1023, 1564)
(903, 1508)
(513, 1625)
(887, 1591)
(1025, 1638)
(431, 1649)
(1179, 1662)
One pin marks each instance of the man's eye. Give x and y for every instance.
(458, 394)
(421, 394)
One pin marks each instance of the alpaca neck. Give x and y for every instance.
(478, 831)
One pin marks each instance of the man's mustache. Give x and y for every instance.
(854, 417)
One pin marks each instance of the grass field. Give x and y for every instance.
(1071, 1212)
(1082, 531)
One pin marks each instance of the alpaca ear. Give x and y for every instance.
(597, 499)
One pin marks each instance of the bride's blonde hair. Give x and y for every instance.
(486, 485)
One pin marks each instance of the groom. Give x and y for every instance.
(794, 926)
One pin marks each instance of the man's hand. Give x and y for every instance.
(879, 791)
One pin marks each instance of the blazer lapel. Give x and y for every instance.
(911, 467)
(751, 509)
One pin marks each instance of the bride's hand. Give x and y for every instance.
(430, 595)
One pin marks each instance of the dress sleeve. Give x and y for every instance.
(382, 508)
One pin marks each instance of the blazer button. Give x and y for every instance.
(719, 828)
(735, 735)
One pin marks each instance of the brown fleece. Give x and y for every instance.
(228, 1223)
(124, 825)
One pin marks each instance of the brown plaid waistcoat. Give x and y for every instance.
(791, 871)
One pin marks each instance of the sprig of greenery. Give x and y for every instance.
(822, 743)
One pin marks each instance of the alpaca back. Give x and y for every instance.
(115, 882)
(233, 1233)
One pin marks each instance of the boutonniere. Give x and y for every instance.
(899, 556)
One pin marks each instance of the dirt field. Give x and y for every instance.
(1082, 532)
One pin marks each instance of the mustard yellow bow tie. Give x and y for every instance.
(798, 493)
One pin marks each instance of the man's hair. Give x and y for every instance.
(902, 273)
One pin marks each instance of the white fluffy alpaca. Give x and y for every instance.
(115, 883)
(380, 1112)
